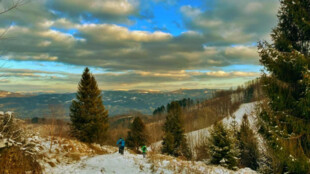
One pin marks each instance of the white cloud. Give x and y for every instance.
(242, 52)
(253, 7)
(232, 74)
(190, 11)
(105, 32)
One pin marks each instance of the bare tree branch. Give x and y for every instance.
(14, 5)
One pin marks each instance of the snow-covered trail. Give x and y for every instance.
(110, 163)
(136, 164)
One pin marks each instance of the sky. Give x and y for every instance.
(132, 44)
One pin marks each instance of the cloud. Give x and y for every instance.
(246, 54)
(227, 22)
(60, 81)
(232, 74)
(190, 11)
(99, 33)
(108, 32)
(168, 2)
(30, 13)
(115, 48)
(103, 10)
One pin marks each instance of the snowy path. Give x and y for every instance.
(136, 164)
(111, 163)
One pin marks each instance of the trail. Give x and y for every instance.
(136, 164)
(111, 163)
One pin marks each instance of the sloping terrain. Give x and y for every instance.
(248, 108)
(195, 137)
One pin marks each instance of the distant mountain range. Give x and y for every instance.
(117, 102)
(11, 94)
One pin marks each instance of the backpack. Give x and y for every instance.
(144, 149)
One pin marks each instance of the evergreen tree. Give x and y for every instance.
(160, 110)
(286, 120)
(249, 154)
(174, 141)
(137, 135)
(87, 113)
(221, 147)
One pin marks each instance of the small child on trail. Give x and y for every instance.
(121, 145)
(144, 149)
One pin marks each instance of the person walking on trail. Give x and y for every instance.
(144, 149)
(121, 145)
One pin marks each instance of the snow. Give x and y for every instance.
(135, 164)
(112, 163)
(248, 108)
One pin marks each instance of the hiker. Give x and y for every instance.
(144, 149)
(121, 145)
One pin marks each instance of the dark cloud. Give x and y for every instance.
(31, 13)
(229, 22)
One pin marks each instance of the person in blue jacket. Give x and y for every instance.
(121, 145)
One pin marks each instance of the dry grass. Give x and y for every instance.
(14, 160)
(155, 131)
(178, 165)
(115, 133)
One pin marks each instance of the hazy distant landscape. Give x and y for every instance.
(117, 102)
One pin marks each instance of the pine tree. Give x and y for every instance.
(174, 141)
(87, 113)
(137, 136)
(286, 120)
(221, 147)
(249, 154)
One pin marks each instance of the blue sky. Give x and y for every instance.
(133, 44)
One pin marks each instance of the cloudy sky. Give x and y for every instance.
(132, 44)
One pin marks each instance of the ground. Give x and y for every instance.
(135, 164)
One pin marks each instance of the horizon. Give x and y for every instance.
(133, 44)
(116, 90)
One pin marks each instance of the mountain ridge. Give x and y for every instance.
(117, 102)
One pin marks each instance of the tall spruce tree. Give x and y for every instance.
(221, 147)
(87, 113)
(249, 154)
(174, 141)
(137, 136)
(286, 120)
